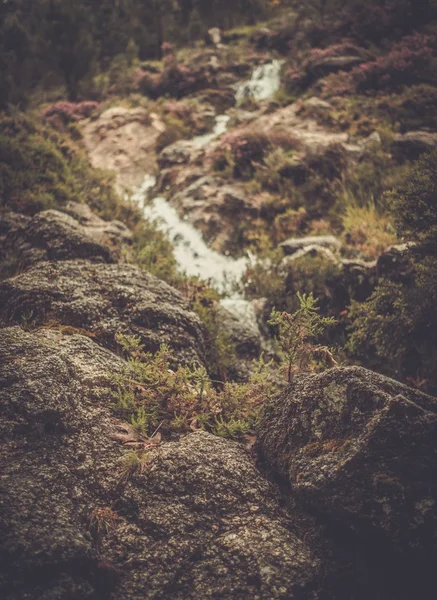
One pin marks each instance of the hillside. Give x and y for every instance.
(218, 257)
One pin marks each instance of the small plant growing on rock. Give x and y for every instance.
(152, 395)
(298, 334)
(101, 522)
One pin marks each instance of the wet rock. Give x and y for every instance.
(324, 241)
(410, 145)
(395, 263)
(197, 521)
(104, 299)
(360, 449)
(216, 208)
(53, 235)
(123, 140)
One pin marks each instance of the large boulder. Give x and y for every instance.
(360, 449)
(410, 145)
(197, 520)
(54, 235)
(58, 462)
(104, 299)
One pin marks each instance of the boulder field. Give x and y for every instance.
(337, 499)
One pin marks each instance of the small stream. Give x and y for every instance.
(264, 83)
(192, 254)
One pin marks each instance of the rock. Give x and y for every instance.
(324, 241)
(332, 64)
(115, 233)
(10, 223)
(238, 318)
(360, 449)
(316, 103)
(313, 251)
(179, 153)
(198, 521)
(410, 145)
(395, 263)
(53, 235)
(123, 140)
(104, 299)
(215, 207)
(359, 278)
(308, 135)
(57, 459)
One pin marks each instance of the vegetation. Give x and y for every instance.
(396, 326)
(41, 169)
(159, 402)
(84, 47)
(150, 395)
(298, 335)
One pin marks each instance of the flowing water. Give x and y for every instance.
(220, 127)
(193, 255)
(264, 83)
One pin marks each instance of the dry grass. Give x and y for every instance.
(368, 231)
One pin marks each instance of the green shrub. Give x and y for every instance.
(152, 396)
(220, 350)
(395, 329)
(41, 168)
(298, 336)
(415, 108)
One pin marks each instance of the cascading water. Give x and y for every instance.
(220, 127)
(264, 83)
(193, 255)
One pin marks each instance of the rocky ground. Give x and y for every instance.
(336, 499)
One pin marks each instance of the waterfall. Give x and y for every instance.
(265, 82)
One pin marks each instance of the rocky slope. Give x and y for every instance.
(197, 518)
(335, 500)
